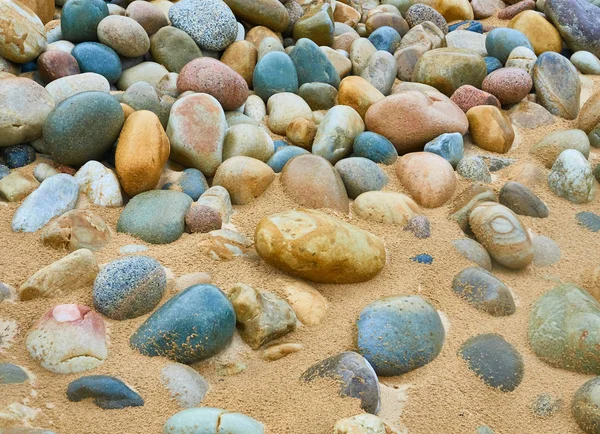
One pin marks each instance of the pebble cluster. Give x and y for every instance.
(178, 111)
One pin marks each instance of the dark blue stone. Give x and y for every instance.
(80, 18)
(355, 375)
(4, 171)
(501, 41)
(312, 64)
(492, 64)
(375, 147)
(98, 58)
(470, 25)
(283, 155)
(588, 220)
(18, 156)
(191, 182)
(278, 144)
(29, 66)
(274, 73)
(423, 258)
(400, 333)
(108, 392)
(386, 39)
(193, 325)
(494, 360)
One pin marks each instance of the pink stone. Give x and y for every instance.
(509, 85)
(512, 11)
(468, 96)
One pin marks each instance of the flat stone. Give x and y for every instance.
(522, 200)
(588, 220)
(107, 392)
(212, 420)
(473, 251)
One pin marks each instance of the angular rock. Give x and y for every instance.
(77, 229)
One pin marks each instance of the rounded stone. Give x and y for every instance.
(99, 59)
(484, 291)
(244, 178)
(124, 35)
(301, 132)
(267, 13)
(571, 177)
(80, 18)
(399, 334)
(449, 146)
(186, 385)
(474, 168)
(501, 41)
(542, 35)
(247, 140)
(557, 85)
(419, 13)
(108, 392)
(317, 24)
(385, 38)
(285, 107)
(129, 287)
(360, 175)
(173, 48)
(274, 73)
(586, 62)
(375, 147)
(358, 93)
(473, 251)
(66, 87)
(242, 56)
(53, 65)
(552, 145)
(319, 96)
(212, 421)
(203, 219)
(281, 157)
(211, 25)
(522, 200)
(385, 207)
(22, 34)
(521, 57)
(490, 128)
(18, 156)
(312, 64)
(147, 15)
(586, 404)
(509, 85)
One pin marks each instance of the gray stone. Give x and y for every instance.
(12, 374)
(522, 200)
(557, 85)
(474, 168)
(186, 385)
(588, 220)
(484, 291)
(473, 251)
(578, 22)
(450, 146)
(572, 178)
(545, 251)
(586, 62)
(211, 421)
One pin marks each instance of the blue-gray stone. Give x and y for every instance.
(4, 171)
(283, 155)
(385, 38)
(492, 64)
(208, 420)
(450, 146)
(484, 291)
(484, 429)
(54, 197)
(191, 182)
(274, 73)
(98, 58)
(193, 325)
(494, 360)
(29, 66)
(501, 41)
(278, 144)
(557, 85)
(83, 127)
(470, 25)
(79, 19)
(423, 258)
(375, 147)
(12, 374)
(399, 334)
(588, 220)
(578, 22)
(156, 216)
(129, 287)
(586, 406)
(108, 393)
(355, 375)
(312, 64)
(546, 405)
(18, 156)
(360, 175)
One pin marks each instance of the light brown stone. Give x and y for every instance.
(22, 33)
(308, 303)
(244, 178)
(385, 207)
(301, 132)
(241, 56)
(359, 94)
(76, 229)
(490, 128)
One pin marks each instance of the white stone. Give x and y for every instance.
(100, 184)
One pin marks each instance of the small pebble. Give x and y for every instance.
(108, 392)
(419, 226)
(423, 258)
(588, 220)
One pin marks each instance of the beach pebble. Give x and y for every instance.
(191, 279)
(55, 196)
(124, 35)
(193, 325)
(313, 182)
(588, 220)
(523, 58)
(218, 199)
(203, 219)
(529, 115)
(553, 144)
(156, 216)
(173, 48)
(360, 175)
(586, 62)
(56, 64)
(563, 329)
(557, 85)
(381, 71)
(449, 146)
(18, 156)
(12, 374)
(464, 39)
(385, 207)
(308, 304)
(283, 108)
(545, 251)
(316, 24)
(375, 147)
(96, 58)
(423, 258)
(420, 227)
(99, 184)
(275, 73)
(470, 25)
(362, 424)
(501, 41)
(149, 72)
(546, 405)
(244, 178)
(289, 241)
(319, 96)
(312, 64)
(225, 244)
(186, 385)
(468, 199)
(585, 406)
(494, 360)
(281, 157)
(355, 376)
(467, 97)
(80, 19)
(129, 287)
(242, 57)
(65, 87)
(76, 229)
(43, 171)
(429, 178)
(501, 232)
(522, 201)
(107, 392)
(212, 421)
(473, 251)
(17, 186)
(23, 36)
(474, 168)
(189, 181)
(490, 128)
(484, 291)
(147, 15)
(358, 93)
(279, 351)
(336, 133)
(419, 13)
(247, 140)
(386, 39)
(69, 338)
(509, 85)
(261, 316)
(399, 334)
(571, 177)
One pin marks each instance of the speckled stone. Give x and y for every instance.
(202, 219)
(467, 97)
(546, 405)
(129, 287)
(18, 156)
(419, 226)
(419, 13)
(210, 23)
(557, 85)
(386, 38)
(586, 406)
(484, 291)
(474, 168)
(571, 177)
(509, 85)
(107, 392)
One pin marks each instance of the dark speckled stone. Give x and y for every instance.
(18, 156)
(356, 376)
(484, 291)
(193, 325)
(129, 287)
(586, 406)
(108, 392)
(494, 360)
(546, 405)
(419, 13)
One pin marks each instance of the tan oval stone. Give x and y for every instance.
(359, 94)
(244, 178)
(248, 140)
(124, 35)
(589, 116)
(76, 229)
(542, 35)
(308, 304)
(44, 9)
(313, 182)
(142, 152)
(312, 245)
(279, 351)
(241, 56)
(429, 178)
(283, 108)
(490, 128)
(22, 33)
(385, 207)
(150, 72)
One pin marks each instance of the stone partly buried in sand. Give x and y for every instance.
(99, 184)
(193, 325)
(385, 207)
(572, 178)
(312, 245)
(212, 421)
(69, 338)
(76, 229)
(156, 216)
(578, 22)
(501, 232)
(107, 392)
(484, 291)
(355, 376)
(244, 178)
(564, 329)
(586, 406)
(399, 334)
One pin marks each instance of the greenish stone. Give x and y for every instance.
(275, 73)
(594, 137)
(361, 175)
(586, 406)
(484, 291)
(557, 85)
(317, 25)
(79, 19)
(564, 329)
(319, 96)
(173, 48)
(208, 420)
(156, 216)
(313, 65)
(12, 374)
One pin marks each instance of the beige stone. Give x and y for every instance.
(385, 207)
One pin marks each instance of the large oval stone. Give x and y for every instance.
(97, 58)
(80, 18)
(336, 133)
(268, 13)
(212, 421)
(193, 325)
(275, 73)
(564, 329)
(196, 130)
(578, 22)
(124, 35)
(557, 85)
(399, 334)
(83, 127)
(484, 291)
(501, 41)
(22, 34)
(312, 245)
(313, 182)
